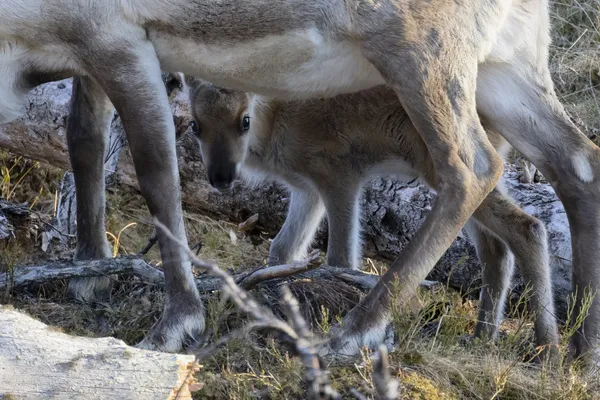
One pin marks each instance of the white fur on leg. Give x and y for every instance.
(172, 334)
(352, 343)
(89, 289)
(583, 168)
(11, 100)
(355, 236)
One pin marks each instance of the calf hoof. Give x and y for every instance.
(358, 330)
(178, 328)
(89, 290)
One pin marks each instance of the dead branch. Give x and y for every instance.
(295, 332)
(278, 271)
(25, 275)
(152, 240)
(248, 224)
(318, 379)
(21, 276)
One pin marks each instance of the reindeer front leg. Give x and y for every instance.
(130, 74)
(437, 89)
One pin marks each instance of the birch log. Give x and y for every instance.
(39, 362)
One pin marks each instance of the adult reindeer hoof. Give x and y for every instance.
(178, 328)
(359, 329)
(89, 290)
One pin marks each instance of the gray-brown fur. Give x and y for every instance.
(529, 173)
(492, 54)
(323, 150)
(89, 118)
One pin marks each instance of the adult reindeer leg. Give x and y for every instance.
(130, 74)
(535, 123)
(416, 57)
(89, 120)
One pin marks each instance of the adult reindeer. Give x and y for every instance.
(445, 59)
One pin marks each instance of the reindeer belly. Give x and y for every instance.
(298, 64)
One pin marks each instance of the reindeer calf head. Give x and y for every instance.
(221, 124)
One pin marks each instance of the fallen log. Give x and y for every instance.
(38, 362)
(23, 276)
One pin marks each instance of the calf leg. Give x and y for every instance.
(535, 123)
(130, 74)
(526, 175)
(343, 218)
(498, 264)
(304, 215)
(89, 121)
(526, 238)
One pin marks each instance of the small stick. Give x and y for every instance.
(151, 242)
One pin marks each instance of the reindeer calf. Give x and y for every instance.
(324, 150)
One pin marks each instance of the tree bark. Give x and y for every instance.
(392, 211)
(37, 361)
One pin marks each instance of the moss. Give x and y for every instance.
(418, 387)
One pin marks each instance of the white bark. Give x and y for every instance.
(38, 362)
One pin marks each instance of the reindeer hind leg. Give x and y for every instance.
(89, 121)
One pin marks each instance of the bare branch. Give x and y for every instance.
(25, 275)
(248, 224)
(278, 271)
(152, 240)
(318, 379)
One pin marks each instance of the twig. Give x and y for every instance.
(151, 242)
(278, 271)
(197, 247)
(295, 331)
(318, 379)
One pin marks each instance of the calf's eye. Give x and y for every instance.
(245, 123)
(194, 127)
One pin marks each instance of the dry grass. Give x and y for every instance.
(24, 180)
(429, 360)
(220, 239)
(575, 58)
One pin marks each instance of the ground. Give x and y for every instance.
(430, 359)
